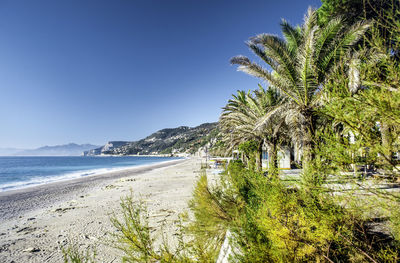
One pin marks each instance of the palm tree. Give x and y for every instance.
(237, 124)
(275, 131)
(241, 115)
(299, 65)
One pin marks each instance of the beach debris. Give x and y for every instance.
(4, 247)
(31, 218)
(31, 250)
(110, 186)
(26, 230)
(167, 210)
(62, 242)
(85, 236)
(40, 235)
(128, 180)
(63, 210)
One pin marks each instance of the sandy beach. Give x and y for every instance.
(36, 222)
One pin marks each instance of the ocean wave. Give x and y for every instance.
(41, 180)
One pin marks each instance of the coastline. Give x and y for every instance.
(16, 202)
(72, 174)
(78, 211)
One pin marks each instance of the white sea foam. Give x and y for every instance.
(40, 180)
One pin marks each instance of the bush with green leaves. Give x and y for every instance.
(274, 220)
(72, 254)
(133, 238)
(271, 220)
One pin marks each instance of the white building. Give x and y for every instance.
(284, 158)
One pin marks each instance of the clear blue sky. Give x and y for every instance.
(92, 71)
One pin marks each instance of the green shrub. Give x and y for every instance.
(280, 222)
(72, 254)
(270, 220)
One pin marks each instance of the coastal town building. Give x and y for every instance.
(285, 158)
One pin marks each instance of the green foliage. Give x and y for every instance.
(298, 66)
(72, 254)
(219, 149)
(182, 139)
(354, 11)
(213, 209)
(368, 107)
(133, 238)
(242, 120)
(282, 221)
(272, 220)
(248, 147)
(166, 151)
(250, 151)
(300, 229)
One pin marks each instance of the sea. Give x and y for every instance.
(21, 172)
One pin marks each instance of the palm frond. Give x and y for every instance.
(292, 36)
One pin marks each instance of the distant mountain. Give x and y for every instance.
(71, 149)
(167, 141)
(108, 147)
(9, 151)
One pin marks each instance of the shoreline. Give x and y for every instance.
(18, 185)
(80, 215)
(50, 193)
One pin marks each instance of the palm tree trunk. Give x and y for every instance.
(273, 158)
(259, 156)
(308, 141)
